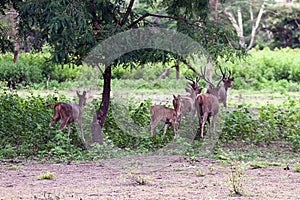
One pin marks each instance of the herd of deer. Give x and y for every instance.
(206, 105)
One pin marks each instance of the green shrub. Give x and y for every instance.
(33, 68)
(262, 66)
(24, 129)
(270, 124)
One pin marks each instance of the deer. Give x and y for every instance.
(68, 113)
(167, 115)
(188, 101)
(207, 104)
(220, 91)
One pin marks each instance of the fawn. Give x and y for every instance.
(167, 115)
(68, 113)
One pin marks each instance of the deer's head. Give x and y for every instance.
(82, 98)
(193, 87)
(177, 103)
(228, 81)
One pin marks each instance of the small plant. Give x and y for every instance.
(262, 164)
(12, 166)
(200, 173)
(141, 180)
(297, 167)
(235, 179)
(48, 175)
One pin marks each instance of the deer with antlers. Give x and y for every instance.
(188, 101)
(167, 115)
(69, 113)
(220, 91)
(208, 104)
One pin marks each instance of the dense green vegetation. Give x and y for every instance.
(24, 130)
(24, 119)
(278, 69)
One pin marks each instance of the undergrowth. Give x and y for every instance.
(24, 130)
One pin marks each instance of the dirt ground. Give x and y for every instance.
(145, 177)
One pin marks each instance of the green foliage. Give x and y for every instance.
(265, 68)
(33, 68)
(271, 124)
(48, 175)
(297, 167)
(24, 130)
(239, 125)
(129, 128)
(283, 21)
(25, 71)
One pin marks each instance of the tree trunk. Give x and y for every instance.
(100, 116)
(102, 112)
(177, 70)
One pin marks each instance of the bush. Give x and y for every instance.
(24, 125)
(33, 68)
(270, 124)
(263, 66)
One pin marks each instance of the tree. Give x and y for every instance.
(238, 23)
(282, 23)
(72, 28)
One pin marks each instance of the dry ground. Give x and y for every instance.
(145, 177)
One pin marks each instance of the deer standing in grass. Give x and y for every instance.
(207, 104)
(68, 113)
(221, 91)
(167, 115)
(188, 101)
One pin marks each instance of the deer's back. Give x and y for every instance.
(67, 110)
(222, 94)
(161, 112)
(208, 103)
(187, 104)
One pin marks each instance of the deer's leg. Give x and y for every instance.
(55, 119)
(214, 122)
(69, 130)
(81, 130)
(203, 123)
(153, 124)
(165, 128)
(63, 124)
(151, 128)
(175, 129)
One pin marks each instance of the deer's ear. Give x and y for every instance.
(174, 96)
(84, 92)
(77, 92)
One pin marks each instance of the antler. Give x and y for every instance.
(203, 76)
(230, 72)
(222, 76)
(194, 85)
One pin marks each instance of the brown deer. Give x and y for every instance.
(167, 115)
(207, 104)
(221, 91)
(188, 101)
(68, 113)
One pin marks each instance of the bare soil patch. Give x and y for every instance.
(144, 177)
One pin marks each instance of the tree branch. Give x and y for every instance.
(128, 11)
(236, 26)
(133, 24)
(94, 15)
(254, 27)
